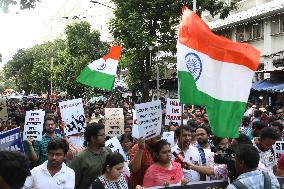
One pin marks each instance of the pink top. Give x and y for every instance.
(158, 176)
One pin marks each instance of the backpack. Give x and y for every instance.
(267, 182)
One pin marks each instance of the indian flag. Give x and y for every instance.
(214, 72)
(101, 73)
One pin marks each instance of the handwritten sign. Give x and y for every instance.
(73, 116)
(34, 124)
(3, 109)
(114, 121)
(278, 148)
(149, 118)
(169, 137)
(115, 146)
(11, 140)
(173, 112)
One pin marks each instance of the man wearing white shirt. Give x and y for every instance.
(53, 173)
(188, 151)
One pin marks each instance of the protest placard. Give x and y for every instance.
(149, 118)
(169, 137)
(73, 117)
(3, 109)
(278, 148)
(115, 146)
(11, 140)
(114, 121)
(173, 112)
(34, 124)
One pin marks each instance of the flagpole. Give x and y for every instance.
(194, 6)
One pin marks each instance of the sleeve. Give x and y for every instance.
(231, 187)
(72, 179)
(220, 171)
(37, 146)
(133, 152)
(29, 183)
(76, 165)
(149, 178)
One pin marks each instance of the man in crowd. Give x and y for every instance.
(257, 126)
(188, 151)
(141, 159)
(88, 164)
(248, 174)
(53, 173)
(264, 143)
(38, 149)
(14, 169)
(279, 128)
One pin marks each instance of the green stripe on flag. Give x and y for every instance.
(224, 116)
(96, 79)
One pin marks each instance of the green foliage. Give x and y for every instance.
(139, 24)
(32, 69)
(24, 4)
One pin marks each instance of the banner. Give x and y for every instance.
(34, 124)
(149, 118)
(73, 117)
(115, 146)
(278, 148)
(173, 112)
(114, 122)
(11, 140)
(3, 109)
(214, 184)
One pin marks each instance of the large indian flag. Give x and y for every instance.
(101, 73)
(214, 72)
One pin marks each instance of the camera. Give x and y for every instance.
(227, 156)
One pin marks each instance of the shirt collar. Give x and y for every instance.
(62, 170)
(248, 174)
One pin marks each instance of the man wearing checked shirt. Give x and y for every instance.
(38, 149)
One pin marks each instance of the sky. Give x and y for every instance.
(24, 28)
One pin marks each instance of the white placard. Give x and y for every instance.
(114, 121)
(278, 148)
(173, 112)
(34, 124)
(115, 146)
(149, 118)
(72, 113)
(135, 131)
(3, 109)
(169, 137)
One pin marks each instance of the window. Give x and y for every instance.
(251, 31)
(240, 33)
(248, 33)
(225, 33)
(257, 28)
(281, 23)
(277, 24)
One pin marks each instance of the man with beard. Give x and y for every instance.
(88, 164)
(53, 173)
(188, 151)
(38, 149)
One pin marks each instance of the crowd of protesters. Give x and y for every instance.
(57, 162)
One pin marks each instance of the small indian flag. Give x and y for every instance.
(101, 73)
(214, 72)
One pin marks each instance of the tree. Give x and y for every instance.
(83, 46)
(139, 24)
(24, 4)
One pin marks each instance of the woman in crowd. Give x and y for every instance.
(112, 177)
(126, 142)
(164, 171)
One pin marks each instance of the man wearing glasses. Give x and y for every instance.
(88, 164)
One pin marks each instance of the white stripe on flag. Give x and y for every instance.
(108, 67)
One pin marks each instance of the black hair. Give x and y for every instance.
(126, 135)
(49, 119)
(58, 143)
(257, 113)
(127, 126)
(14, 168)
(157, 148)
(269, 132)
(216, 140)
(242, 152)
(258, 125)
(246, 119)
(113, 159)
(192, 123)
(182, 127)
(243, 139)
(92, 129)
(207, 129)
(277, 124)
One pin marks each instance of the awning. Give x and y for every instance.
(266, 85)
